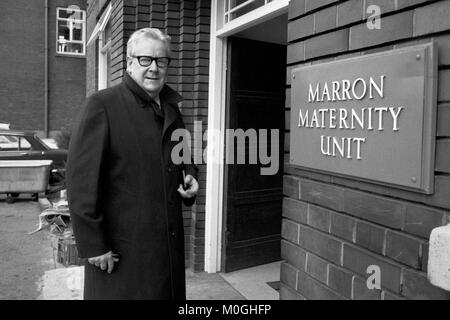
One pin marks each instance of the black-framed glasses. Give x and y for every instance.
(146, 61)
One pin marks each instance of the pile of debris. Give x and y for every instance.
(56, 218)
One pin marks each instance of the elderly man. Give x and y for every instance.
(124, 191)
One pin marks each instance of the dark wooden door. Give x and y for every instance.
(256, 80)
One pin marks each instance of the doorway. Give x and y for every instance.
(255, 99)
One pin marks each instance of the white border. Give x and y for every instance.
(216, 117)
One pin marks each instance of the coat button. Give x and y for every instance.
(169, 169)
(173, 234)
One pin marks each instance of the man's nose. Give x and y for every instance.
(153, 67)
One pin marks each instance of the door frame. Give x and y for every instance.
(214, 202)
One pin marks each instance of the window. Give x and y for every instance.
(104, 49)
(105, 57)
(13, 143)
(70, 30)
(238, 8)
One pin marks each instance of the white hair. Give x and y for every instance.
(148, 33)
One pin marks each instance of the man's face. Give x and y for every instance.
(151, 78)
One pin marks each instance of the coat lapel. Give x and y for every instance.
(169, 99)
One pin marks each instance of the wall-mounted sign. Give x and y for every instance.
(371, 117)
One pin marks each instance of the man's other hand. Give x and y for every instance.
(191, 187)
(105, 261)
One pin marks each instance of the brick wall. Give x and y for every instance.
(187, 22)
(333, 227)
(22, 81)
(67, 84)
(22, 54)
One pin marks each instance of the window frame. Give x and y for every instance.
(104, 46)
(71, 22)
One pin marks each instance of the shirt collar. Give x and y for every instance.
(167, 94)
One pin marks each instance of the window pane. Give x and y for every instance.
(71, 48)
(77, 31)
(235, 3)
(63, 30)
(9, 143)
(70, 14)
(252, 6)
(24, 144)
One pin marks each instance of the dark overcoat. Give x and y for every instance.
(122, 192)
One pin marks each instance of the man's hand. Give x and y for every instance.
(191, 187)
(104, 261)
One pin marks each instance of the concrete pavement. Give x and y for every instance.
(29, 270)
(67, 284)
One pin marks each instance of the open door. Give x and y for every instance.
(256, 81)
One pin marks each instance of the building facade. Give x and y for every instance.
(43, 81)
(234, 63)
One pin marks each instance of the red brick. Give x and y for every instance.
(443, 85)
(358, 260)
(416, 286)
(349, 12)
(301, 28)
(319, 218)
(289, 231)
(288, 98)
(373, 208)
(340, 280)
(378, 49)
(370, 236)
(443, 120)
(432, 18)
(407, 3)
(288, 275)
(325, 19)
(315, 4)
(328, 43)
(313, 289)
(395, 27)
(440, 197)
(385, 295)
(443, 44)
(287, 293)
(291, 186)
(286, 146)
(403, 248)
(424, 258)
(293, 255)
(420, 220)
(295, 52)
(295, 210)
(362, 292)
(287, 119)
(321, 244)
(325, 195)
(296, 8)
(342, 226)
(384, 5)
(316, 267)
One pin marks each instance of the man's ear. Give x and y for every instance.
(129, 62)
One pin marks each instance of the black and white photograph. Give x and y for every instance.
(225, 156)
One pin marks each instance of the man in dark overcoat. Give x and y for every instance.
(123, 188)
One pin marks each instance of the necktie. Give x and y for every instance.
(158, 110)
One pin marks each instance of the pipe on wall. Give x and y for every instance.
(46, 109)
